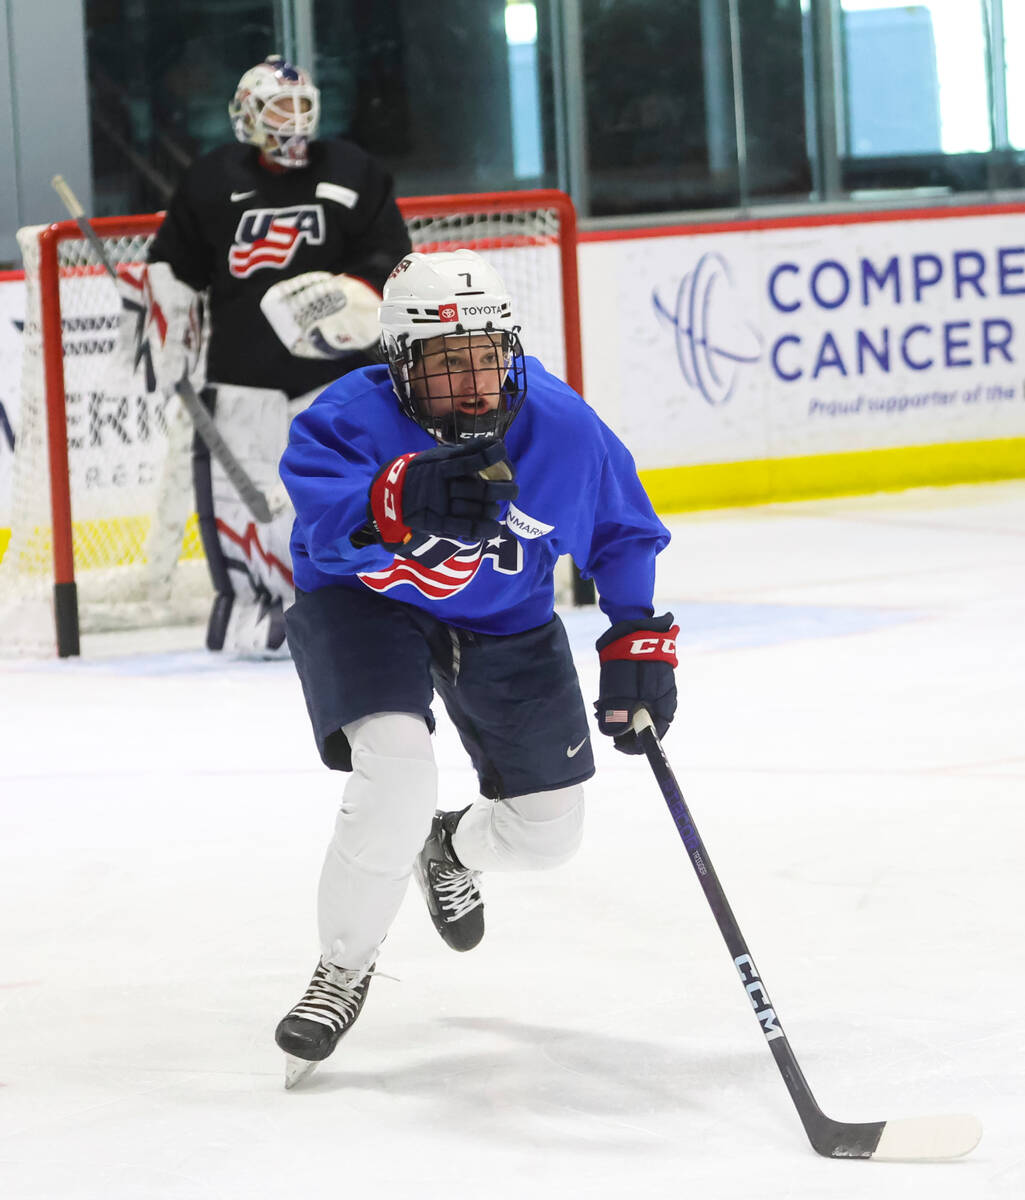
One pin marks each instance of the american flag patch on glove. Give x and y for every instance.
(616, 716)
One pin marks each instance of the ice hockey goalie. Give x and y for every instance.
(288, 238)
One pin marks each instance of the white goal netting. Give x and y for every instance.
(524, 248)
(127, 485)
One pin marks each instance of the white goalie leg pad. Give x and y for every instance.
(254, 424)
(301, 403)
(278, 500)
(386, 814)
(257, 555)
(534, 832)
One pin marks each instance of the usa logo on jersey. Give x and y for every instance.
(269, 237)
(439, 567)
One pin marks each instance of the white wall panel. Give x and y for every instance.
(791, 339)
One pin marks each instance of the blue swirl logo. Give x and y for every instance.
(712, 344)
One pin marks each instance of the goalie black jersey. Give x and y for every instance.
(235, 228)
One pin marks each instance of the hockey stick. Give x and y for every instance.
(248, 492)
(907, 1139)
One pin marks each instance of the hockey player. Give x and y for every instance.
(426, 536)
(290, 239)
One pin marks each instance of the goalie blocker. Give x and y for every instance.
(160, 328)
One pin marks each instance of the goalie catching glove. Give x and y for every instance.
(638, 659)
(320, 315)
(441, 493)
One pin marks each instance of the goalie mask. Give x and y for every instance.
(276, 108)
(453, 351)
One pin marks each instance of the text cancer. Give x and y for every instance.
(924, 280)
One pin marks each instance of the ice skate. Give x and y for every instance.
(450, 889)
(311, 1030)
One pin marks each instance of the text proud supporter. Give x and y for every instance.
(915, 311)
(911, 401)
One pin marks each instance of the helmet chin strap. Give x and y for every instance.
(457, 427)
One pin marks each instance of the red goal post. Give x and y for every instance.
(98, 532)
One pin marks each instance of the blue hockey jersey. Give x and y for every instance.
(579, 494)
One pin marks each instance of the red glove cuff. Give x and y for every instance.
(386, 501)
(643, 646)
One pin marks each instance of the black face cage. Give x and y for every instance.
(454, 425)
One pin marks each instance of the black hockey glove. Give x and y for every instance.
(449, 491)
(637, 663)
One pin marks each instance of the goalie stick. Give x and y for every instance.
(207, 429)
(908, 1139)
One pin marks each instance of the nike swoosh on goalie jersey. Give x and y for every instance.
(242, 195)
(571, 751)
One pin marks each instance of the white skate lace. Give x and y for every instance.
(333, 996)
(457, 892)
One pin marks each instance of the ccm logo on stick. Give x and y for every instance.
(758, 995)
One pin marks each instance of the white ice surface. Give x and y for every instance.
(851, 740)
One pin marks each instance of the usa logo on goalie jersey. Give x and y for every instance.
(442, 567)
(270, 237)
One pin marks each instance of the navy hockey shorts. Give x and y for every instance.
(514, 699)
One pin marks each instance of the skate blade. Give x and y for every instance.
(297, 1069)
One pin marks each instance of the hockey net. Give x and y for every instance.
(101, 475)
(102, 533)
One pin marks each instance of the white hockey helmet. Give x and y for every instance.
(276, 108)
(458, 296)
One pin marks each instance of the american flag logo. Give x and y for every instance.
(436, 582)
(268, 237)
(616, 716)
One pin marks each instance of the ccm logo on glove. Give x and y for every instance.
(386, 500)
(448, 492)
(643, 646)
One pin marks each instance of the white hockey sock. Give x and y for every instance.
(527, 833)
(385, 817)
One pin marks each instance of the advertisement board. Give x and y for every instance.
(775, 340)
